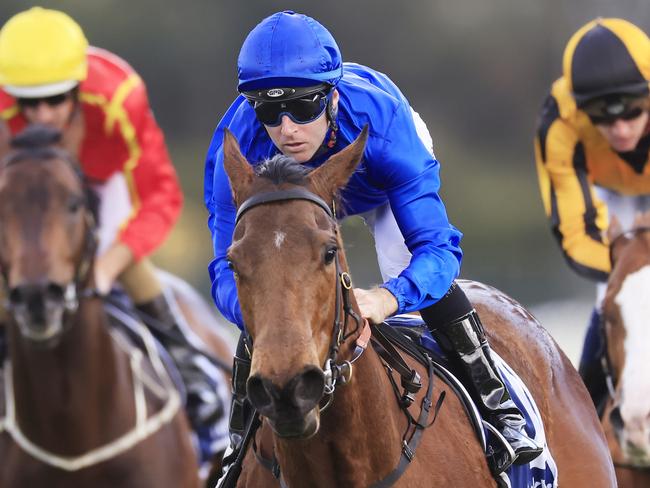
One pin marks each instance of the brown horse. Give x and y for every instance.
(626, 308)
(83, 407)
(287, 257)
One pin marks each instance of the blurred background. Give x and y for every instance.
(476, 71)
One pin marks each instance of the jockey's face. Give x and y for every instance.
(624, 135)
(54, 111)
(301, 141)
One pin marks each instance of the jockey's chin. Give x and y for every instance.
(300, 428)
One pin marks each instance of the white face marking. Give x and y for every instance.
(633, 300)
(279, 238)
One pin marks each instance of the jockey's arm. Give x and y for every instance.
(110, 265)
(578, 218)
(406, 168)
(155, 192)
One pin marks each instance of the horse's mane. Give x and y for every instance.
(283, 169)
(42, 142)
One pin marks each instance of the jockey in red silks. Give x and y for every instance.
(50, 76)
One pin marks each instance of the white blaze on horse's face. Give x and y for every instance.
(633, 300)
(279, 238)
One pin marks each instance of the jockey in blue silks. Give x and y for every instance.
(298, 98)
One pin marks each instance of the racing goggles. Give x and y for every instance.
(607, 110)
(302, 105)
(52, 101)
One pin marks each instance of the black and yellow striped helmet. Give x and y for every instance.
(607, 57)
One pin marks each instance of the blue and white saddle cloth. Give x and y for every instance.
(542, 471)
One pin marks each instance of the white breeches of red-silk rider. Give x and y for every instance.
(392, 254)
(114, 210)
(624, 208)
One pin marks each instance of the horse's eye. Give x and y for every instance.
(231, 266)
(74, 205)
(330, 254)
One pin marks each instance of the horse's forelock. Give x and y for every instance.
(283, 169)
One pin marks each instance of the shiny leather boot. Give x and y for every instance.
(465, 339)
(203, 405)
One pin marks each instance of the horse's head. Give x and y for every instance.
(626, 311)
(287, 257)
(46, 240)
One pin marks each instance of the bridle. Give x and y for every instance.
(334, 372)
(77, 288)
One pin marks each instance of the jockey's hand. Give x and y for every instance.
(110, 265)
(375, 304)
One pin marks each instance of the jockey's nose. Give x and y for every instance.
(287, 126)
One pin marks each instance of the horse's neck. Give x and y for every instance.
(360, 433)
(58, 391)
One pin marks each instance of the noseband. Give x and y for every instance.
(341, 373)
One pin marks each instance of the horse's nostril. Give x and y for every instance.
(260, 392)
(308, 388)
(54, 292)
(15, 296)
(616, 419)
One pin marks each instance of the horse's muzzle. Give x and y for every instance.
(292, 409)
(38, 309)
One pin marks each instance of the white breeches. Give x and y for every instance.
(114, 210)
(392, 254)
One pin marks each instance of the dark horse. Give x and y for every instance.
(626, 308)
(83, 408)
(284, 254)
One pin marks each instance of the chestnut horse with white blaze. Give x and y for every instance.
(291, 305)
(626, 312)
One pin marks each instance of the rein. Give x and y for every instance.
(162, 387)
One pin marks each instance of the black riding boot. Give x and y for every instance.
(457, 328)
(203, 405)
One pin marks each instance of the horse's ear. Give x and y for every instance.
(240, 172)
(336, 171)
(614, 230)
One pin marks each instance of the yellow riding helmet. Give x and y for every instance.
(42, 53)
(606, 57)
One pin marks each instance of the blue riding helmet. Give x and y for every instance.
(288, 49)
